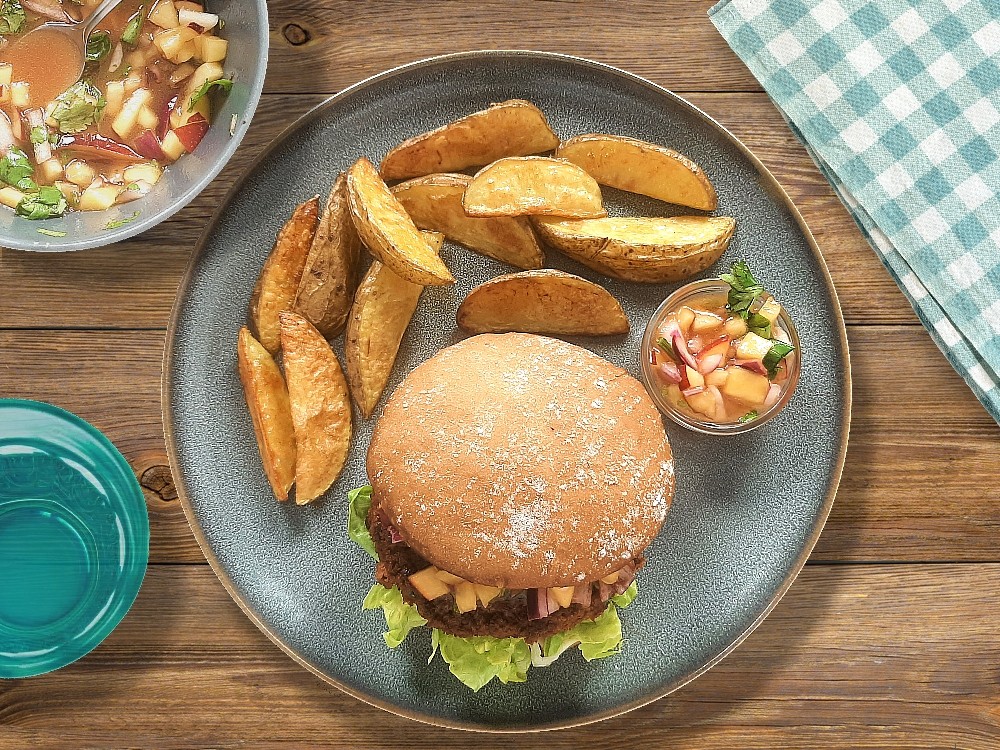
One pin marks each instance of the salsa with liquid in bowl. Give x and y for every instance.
(142, 102)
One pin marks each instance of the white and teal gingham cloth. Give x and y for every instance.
(898, 102)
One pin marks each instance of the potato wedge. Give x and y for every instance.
(652, 250)
(383, 307)
(333, 266)
(511, 128)
(320, 405)
(435, 202)
(641, 167)
(389, 232)
(545, 301)
(279, 279)
(533, 186)
(270, 411)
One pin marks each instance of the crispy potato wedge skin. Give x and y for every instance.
(645, 249)
(641, 167)
(435, 202)
(511, 128)
(320, 407)
(270, 410)
(383, 307)
(332, 267)
(546, 301)
(533, 186)
(389, 232)
(279, 279)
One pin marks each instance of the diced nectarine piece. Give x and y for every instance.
(465, 597)
(10, 196)
(486, 594)
(736, 327)
(703, 403)
(450, 578)
(704, 322)
(745, 386)
(428, 584)
(685, 317)
(770, 309)
(164, 14)
(717, 378)
(695, 378)
(753, 346)
(562, 594)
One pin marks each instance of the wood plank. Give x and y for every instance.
(132, 284)
(884, 510)
(854, 657)
(327, 46)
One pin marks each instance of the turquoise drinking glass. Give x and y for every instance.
(74, 538)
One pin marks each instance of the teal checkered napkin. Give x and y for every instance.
(899, 104)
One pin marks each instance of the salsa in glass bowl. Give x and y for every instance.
(721, 356)
(143, 101)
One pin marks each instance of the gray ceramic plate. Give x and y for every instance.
(748, 508)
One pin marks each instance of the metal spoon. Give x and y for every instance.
(42, 37)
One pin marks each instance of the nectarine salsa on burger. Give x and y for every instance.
(144, 100)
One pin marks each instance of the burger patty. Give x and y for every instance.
(505, 617)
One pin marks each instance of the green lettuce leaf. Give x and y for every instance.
(626, 597)
(359, 501)
(400, 617)
(478, 660)
(12, 17)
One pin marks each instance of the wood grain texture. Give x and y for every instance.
(132, 284)
(327, 46)
(883, 510)
(853, 657)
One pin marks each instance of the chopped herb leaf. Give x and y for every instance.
(134, 26)
(79, 107)
(16, 170)
(126, 69)
(47, 203)
(226, 84)
(748, 417)
(759, 325)
(12, 17)
(98, 46)
(38, 135)
(51, 233)
(118, 223)
(778, 351)
(666, 347)
(744, 289)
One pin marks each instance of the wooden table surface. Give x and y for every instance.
(890, 638)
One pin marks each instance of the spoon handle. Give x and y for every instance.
(98, 15)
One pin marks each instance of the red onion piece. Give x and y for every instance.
(6, 133)
(394, 536)
(753, 365)
(720, 404)
(709, 363)
(148, 145)
(681, 348)
(625, 577)
(93, 144)
(773, 394)
(670, 372)
(605, 590)
(538, 604)
(693, 391)
(582, 594)
(695, 344)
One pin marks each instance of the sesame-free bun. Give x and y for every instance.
(522, 461)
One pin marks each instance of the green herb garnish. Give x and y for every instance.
(12, 17)
(98, 46)
(38, 135)
(666, 347)
(748, 417)
(51, 233)
(225, 84)
(16, 170)
(759, 325)
(778, 351)
(134, 25)
(744, 289)
(79, 107)
(118, 223)
(47, 203)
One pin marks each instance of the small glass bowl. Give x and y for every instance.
(675, 301)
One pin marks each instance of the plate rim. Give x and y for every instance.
(770, 184)
(141, 552)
